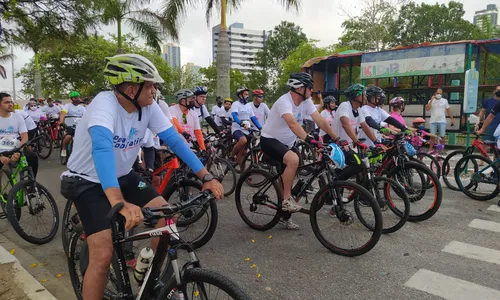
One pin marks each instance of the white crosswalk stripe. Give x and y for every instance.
(486, 225)
(473, 251)
(449, 287)
(494, 208)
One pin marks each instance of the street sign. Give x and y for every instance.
(471, 89)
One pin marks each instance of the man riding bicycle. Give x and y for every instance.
(70, 114)
(282, 129)
(186, 119)
(99, 173)
(200, 93)
(242, 113)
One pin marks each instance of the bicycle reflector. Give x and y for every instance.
(410, 149)
(337, 156)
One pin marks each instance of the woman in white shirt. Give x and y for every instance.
(438, 106)
(329, 108)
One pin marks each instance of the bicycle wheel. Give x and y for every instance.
(223, 171)
(196, 224)
(431, 162)
(393, 202)
(477, 177)
(69, 221)
(327, 220)
(203, 284)
(307, 155)
(425, 196)
(25, 195)
(448, 169)
(259, 204)
(43, 146)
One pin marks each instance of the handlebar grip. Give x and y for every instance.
(115, 210)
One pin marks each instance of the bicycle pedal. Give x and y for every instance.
(3, 216)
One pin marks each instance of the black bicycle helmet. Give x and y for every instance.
(374, 92)
(328, 100)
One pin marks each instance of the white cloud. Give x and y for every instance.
(320, 19)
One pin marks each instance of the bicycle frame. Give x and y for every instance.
(170, 166)
(23, 169)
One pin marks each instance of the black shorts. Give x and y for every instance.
(238, 134)
(93, 205)
(273, 148)
(70, 131)
(32, 133)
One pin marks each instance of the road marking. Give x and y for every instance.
(473, 251)
(449, 287)
(494, 208)
(486, 225)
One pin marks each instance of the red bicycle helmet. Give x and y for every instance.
(418, 120)
(258, 92)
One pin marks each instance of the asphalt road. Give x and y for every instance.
(454, 255)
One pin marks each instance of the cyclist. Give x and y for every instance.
(260, 109)
(488, 104)
(74, 111)
(218, 107)
(52, 111)
(223, 117)
(186, 119)
(106, 142)
(13, 128)
(30, 124)
(242, 112)
(374, 115)
(329, 109)
(34, 111)
(200, 93)
(282, 129)
(398, 107)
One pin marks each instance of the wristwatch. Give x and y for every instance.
(208, 177)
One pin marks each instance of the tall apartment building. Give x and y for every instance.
(489, 14)
(172, 54)
(243, 44)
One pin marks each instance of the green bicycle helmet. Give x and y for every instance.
(74, 94)
(354, 91)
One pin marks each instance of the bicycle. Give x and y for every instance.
(158, 282)
(26, 192)
(69, 147)
(456, 155)
(173, 179)
(330, 188)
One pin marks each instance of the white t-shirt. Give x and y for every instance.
(192, 120)
(30, 124)
(438, 110)
(52, 112)
(222, 113)
(165, 109)
(10, 130)
(73, 113)
(277, 128)
(202, 112)
(35, 114)
(261, 113)
(378, 115)
(216, 109)
(345, 110)
(128, 134)
(245, 112)
(329, 116)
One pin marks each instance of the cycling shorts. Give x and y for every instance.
(238, 134)
(93, 205)
(70, 131)
(273, 148)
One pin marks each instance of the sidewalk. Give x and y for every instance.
(16, 283)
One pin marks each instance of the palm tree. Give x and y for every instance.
(175, 9)
(3, 59)
(144, 22)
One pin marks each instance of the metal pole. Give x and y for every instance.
(13, 73)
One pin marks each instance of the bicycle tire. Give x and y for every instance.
(67, 227)
(12, 202)
(200, 275)
(438, 189)
(403, 215)
(238, 200)
(466, 189)
(434, 166)
(318, 201)
(451, 183)
(303, 150)
(45, 139)
(76, 235)
(211, 207)
(230, 174)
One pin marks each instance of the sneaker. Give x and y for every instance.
(290, 205)
(289, 224)
(63, 153)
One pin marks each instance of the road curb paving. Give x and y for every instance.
(23, 279)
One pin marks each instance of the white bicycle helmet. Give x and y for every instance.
(337, 156)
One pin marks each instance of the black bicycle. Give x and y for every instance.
(335, 205)
(164, 279)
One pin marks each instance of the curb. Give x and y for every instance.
(23, 280)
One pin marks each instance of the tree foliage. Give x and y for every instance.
(80, 66)
(443, 23)
(210, 79)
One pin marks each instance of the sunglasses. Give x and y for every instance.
(184, 119)
(260, 97)
(32, 105)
